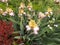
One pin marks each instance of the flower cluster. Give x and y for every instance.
(32, 24)
(22, 8)
(47, 13)
(6, 31)
(8, 11)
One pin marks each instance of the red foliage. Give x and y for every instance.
(6, 30)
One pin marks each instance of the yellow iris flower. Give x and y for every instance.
(32, 23)
(21, 11)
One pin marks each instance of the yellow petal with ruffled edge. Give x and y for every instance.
(32, 23)
(49, 10)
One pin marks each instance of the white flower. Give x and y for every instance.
(55, 25)
(24, 13)
(51, 13)
(28, 27)
(50, 27)
(36, 28)
(53, 19)
(11, 14)
(41, 15)
(4, 13)
(30, 9)
(46, 13)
